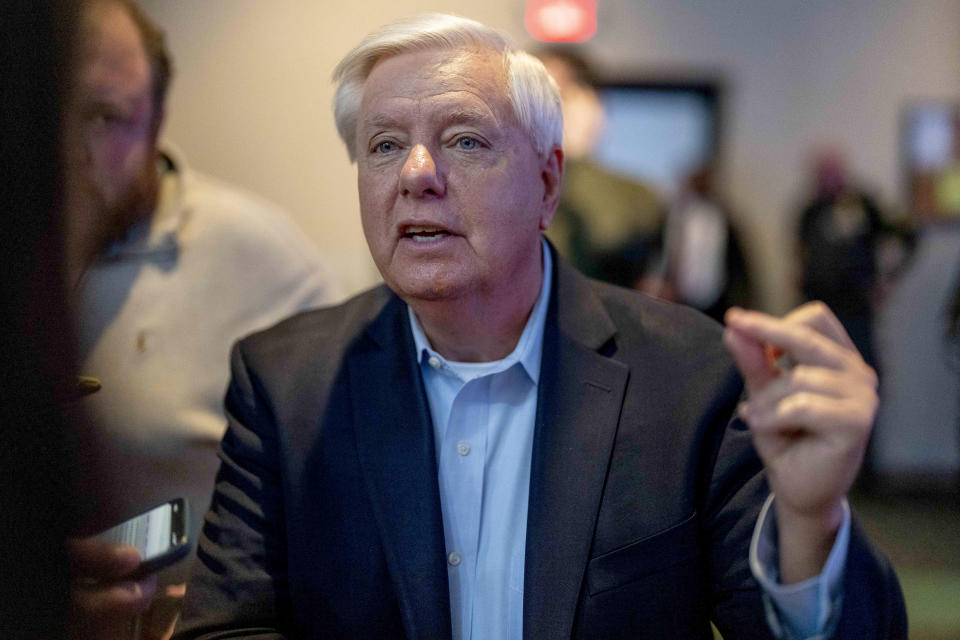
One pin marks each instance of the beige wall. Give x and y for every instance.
(251, 101)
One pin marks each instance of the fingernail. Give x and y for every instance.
(133, 588)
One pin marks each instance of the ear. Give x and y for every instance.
(551, 172)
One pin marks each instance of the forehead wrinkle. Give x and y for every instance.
(458, 106)
(380, 121)
(440, 113)
(464, 87)
(482, 117)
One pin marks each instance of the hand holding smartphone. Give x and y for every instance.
(160, 534)
(114, 583)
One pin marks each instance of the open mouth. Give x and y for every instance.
(425, 234)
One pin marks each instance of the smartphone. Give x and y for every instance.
(161, 534)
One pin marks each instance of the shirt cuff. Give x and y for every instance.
(808, 609)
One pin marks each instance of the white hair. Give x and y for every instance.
(531, 91)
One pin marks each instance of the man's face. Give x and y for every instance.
(111, 130)
(452, 194)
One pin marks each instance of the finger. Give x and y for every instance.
(805, 345)
(825, 381)
(751, 359)
(830, 418)
(97, 560)
(806, 379)
(821, 319)
(114, 600)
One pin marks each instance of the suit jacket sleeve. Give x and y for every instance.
(239, 585)
(682, 495)
(871, 605)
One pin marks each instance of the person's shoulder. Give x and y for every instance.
(211, 196)
(321, 332)
(248, 230)
(672, 350)
(653, 335)
(203, 189)
(233, 215)
(633, 311)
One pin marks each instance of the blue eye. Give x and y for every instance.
(467, 143)
(386, 146)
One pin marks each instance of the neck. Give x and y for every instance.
(481, 328)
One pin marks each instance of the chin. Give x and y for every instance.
(433, 293)
(426, 289)
(422, 280)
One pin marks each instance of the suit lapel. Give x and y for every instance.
(396, 450)
(580, 397)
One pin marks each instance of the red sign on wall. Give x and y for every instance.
(561, 20)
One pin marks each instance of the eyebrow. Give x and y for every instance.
(468, 116)
(457, 115)
(380, 121)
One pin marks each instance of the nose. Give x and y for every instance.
(420, 176)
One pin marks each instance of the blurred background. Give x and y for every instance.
(795, 148)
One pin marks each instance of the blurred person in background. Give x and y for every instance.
(606, 224)
(704, 262)
(953, 324)
(953, 337)
(840, 235)
(182, 265)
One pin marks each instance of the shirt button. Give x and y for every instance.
(434, 362)
(453, 558)
(463, 448)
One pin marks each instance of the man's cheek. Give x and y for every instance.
(116, 148)
(107, 163)
(130, 153)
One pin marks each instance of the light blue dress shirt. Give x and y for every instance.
(483, 422)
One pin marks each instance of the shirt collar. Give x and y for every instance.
(529, 347)
(158, 232)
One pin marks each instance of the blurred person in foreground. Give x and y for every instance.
(840, 234)
(185, 266)
(606, 224)
(47, 443)
(41, 446)
(492, 445)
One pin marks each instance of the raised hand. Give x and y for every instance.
(811, 405)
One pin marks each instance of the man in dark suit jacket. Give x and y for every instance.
(332, 513)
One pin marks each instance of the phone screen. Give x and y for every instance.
(151, 533)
